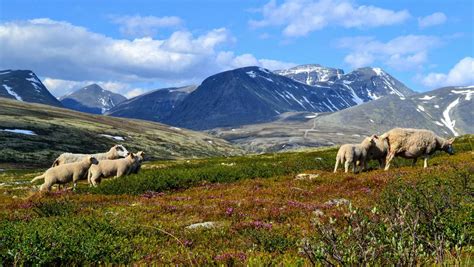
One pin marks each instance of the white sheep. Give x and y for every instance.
(413, 143)
(139, 158)
(354, 154)
(108, 168)
(378, 152)
(66, 173)
(117, 151)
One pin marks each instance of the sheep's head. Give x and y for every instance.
(448, 146)
(120, 150)
(370, 141)
(92, 160)
(140, 155)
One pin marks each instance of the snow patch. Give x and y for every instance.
(421, 107)
(427, 97)
(11, 92)
(339, 134)
(264, 70)
(175, 128)
(378, 71)
(446, 120)
(372, 121)
(467, 93)
(436, 106)
(252, 74)
(116, 137)
(19, 131)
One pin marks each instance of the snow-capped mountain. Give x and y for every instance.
(24, 85)
(448, 111)
(312, 74)
(92, 99)
(367, 84)
(154, 106)
(252, 95)
(364, 84)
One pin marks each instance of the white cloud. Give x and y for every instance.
(229, 59)
(402, 53)
(436, 18)
(461, 74)
(62, 51)
(300, 17)
(144, 26)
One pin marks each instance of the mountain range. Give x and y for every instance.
(447, 111)
(308, 105)
(92, 99)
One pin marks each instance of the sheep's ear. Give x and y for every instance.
(132, 155)
(450, 141)
(375, 136)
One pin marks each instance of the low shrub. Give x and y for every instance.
(424, 222)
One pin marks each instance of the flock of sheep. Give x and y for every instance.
(403, 142)
(117, 162)
(70, 167)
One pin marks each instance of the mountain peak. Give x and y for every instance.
(92, 99)
(312, 74)
(24, 85)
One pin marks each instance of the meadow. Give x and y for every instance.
(249, 210)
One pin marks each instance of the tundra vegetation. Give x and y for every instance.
(249, 210)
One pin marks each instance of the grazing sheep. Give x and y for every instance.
(108, 168)
(378, 152)
(139, 158)
(117, 151)
(414, 143)
(353, 153)
(66, 173)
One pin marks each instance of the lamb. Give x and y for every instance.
(378, 152)
(413, 143)
(353, 153)
(117, 151)
(109, 168)
(140, 157)
(66, 173)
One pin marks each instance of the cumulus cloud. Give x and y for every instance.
(63, 51)
(300, 17)
(402, 53)
(436, 18)
(144, 26)
(461, 74)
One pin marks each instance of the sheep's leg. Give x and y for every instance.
(425, 164)
(390, 156)
(414, 162)
(354, 167)
(337, 164)
(346, 166)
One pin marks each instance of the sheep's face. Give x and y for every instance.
(93, 160)
(448, 147)
(121, 151)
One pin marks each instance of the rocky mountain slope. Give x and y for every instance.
(24, 85)
(154, 106)
(447, 111)
(92, 99)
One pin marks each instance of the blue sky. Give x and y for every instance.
(134, 46)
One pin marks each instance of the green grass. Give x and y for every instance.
(264, 215)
